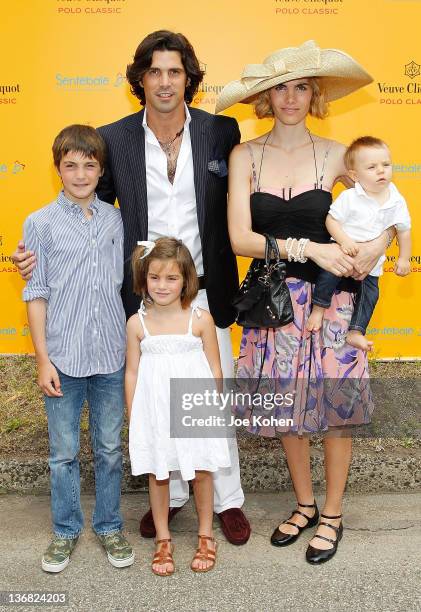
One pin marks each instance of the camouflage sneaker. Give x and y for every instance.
(119, 551)
(57, 555)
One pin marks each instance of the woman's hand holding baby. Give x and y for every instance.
(331, 258)
(368, 255)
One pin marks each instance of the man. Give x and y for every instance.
(167, 166)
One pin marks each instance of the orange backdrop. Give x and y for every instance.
(63, 62)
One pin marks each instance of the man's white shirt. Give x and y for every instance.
(172, 209)
(363, 218)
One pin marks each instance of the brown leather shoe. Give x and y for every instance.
(235, 526)
(147, 526)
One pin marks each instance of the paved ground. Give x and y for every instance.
(377, 566)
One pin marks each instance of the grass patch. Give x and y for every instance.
(23, 423)
(13, 425)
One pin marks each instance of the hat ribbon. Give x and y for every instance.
(254, 74)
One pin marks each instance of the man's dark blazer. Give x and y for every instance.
(212, 139)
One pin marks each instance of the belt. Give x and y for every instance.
(201, 280)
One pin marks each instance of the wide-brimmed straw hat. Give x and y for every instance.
(339, 74)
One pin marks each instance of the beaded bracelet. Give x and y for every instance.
(302, 243)
(292, 244)
(289, 244)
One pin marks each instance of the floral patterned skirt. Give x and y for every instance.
(326, 377)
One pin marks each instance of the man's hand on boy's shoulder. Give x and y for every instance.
(48, 379)
(24, 261)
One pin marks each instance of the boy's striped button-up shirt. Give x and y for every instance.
(79, 272)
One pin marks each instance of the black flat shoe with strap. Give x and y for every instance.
(279, 538)
(316, 556)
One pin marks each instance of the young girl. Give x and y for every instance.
(169, 338)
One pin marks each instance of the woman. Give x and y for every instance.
(280, 184)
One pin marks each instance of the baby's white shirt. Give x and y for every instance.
(363, 218)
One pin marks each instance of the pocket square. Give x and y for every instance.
(218, 167)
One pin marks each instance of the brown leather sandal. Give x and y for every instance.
(204, 553)
(164, 555)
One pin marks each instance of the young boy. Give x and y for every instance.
(77, 323)
(358, 215)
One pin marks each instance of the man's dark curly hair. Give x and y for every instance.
(164, 40)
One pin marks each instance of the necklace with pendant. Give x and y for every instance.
(166, 145)
(171, 150)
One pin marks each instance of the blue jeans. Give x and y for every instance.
(104, 393)
(365, 302)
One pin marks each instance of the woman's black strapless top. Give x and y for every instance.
(301, 216)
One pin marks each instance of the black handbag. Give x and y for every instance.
(263, 299)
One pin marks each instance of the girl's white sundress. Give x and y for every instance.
(152, 450)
